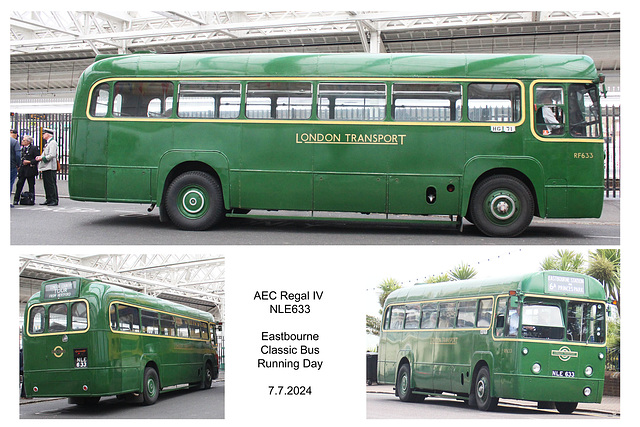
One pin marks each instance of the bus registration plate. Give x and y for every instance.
(563, 374)
(80, 357)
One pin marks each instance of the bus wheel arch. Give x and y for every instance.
(502, 203)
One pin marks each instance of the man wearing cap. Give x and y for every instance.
(49, 167)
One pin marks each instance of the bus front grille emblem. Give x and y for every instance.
(564, 353)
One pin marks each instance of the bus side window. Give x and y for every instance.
(278, 100)
(484, 313)
(397, 317)
(549, 104)
(167, 325)
(209, 100)
(99, 103)
(128, 318)
(142, 99)
(447, 315)
(79, 320)
(150, 323)
(501, 313)
(494, 102)
(466, 314)
(427, 102)
(412, 319)
(352, 101)
(182, 327)
(429, 315)
(36, 320)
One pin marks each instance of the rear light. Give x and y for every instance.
(85, 387)
(35, 389)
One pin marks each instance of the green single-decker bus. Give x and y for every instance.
(84, 339)
(538, 337)
(495, 139)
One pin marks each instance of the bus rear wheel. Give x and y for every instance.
(151, 386)
(501, 206)
(194, 201)
(566, 407)
(482, 391)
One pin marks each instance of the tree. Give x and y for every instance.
(386, 287)
(564, 260)
(604, 266)
(373, 325)
(462, 272)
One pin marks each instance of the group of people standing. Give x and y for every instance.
(26, 160)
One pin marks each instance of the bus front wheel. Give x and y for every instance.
(482, 391)
(194, 201)
(151, 386)
(208, 376)
(501, 206)
(403, 385)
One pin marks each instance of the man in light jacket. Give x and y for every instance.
(49, 167)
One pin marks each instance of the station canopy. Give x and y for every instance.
(190, 279)
(49, 49)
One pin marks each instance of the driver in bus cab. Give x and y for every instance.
(546, 115)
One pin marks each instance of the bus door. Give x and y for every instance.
(505, 332)
(129, 161)
(125, 346)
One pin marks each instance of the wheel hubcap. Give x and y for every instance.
(502, 207)
(404, 384)
(481, 389)
(193, 202)
(151, 387)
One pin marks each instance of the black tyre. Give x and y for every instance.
(194, 201)
(151, 386)
(501, 206)
(482, 391)
(208, 376)
(566, 407)
(403, 385)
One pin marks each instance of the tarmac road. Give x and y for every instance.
(82, 223)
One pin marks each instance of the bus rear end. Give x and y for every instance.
(61, 350)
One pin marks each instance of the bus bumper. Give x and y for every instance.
(68, 382)
(549, 389)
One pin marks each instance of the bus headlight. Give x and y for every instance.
(536, 368)
(588, 371)
(586, 391)
(525, 350)
(600, 356)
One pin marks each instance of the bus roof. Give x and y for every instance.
(525, 66)
(560, 283)
(108, 292)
